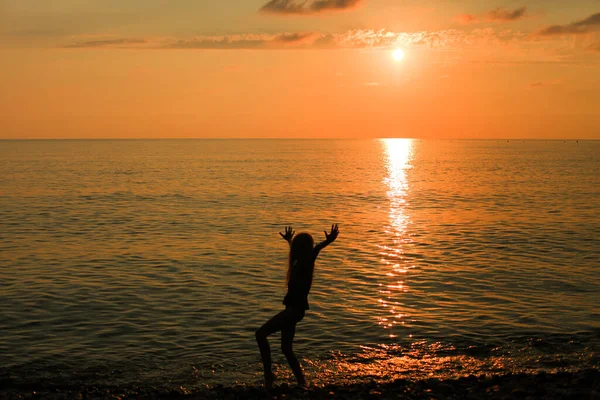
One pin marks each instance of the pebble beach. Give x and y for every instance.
(584, 384)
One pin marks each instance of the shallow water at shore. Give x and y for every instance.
(154, 261)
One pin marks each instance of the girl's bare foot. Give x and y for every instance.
(302, 384)
(269, 379)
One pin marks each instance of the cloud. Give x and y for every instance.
(578, 27)
(295, 38)
(352, 39)
(307, 6)
(496, 15)
(501, 14)
(321, 5)
(283, 7)
(107, 43)
(479, 45)
(247, 41)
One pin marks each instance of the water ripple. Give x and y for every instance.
(125, 262)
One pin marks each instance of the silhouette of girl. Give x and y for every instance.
(299, 279)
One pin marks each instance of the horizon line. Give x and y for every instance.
(293, 138)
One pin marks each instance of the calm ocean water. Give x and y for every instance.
(153, 261)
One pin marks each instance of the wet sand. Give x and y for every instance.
(583, 384)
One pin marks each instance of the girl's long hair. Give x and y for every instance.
(300, 256)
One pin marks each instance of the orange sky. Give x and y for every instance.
(476, 69)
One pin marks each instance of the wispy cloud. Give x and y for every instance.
(501, 14)
(247, 41)
(322, 5)
(307, 6)
(495, 15)
(352, 39)
(479, 45)
(578, 27)
(121, 42)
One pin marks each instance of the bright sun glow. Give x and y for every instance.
(398, 54)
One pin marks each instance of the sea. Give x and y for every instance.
(153, 262)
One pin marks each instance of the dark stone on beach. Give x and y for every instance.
(400, 381)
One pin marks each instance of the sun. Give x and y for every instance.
(398, 54)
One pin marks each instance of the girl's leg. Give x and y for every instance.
(277, 323)
(287, 339)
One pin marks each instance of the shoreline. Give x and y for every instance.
(583, 384)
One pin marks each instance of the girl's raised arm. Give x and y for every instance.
(329, 238)
(289, 234)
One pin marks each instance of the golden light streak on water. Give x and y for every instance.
(398, 153)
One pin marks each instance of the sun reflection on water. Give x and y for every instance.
(418, 360)
(398, 157)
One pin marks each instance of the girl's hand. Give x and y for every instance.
(289, 234)
(333, 235)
